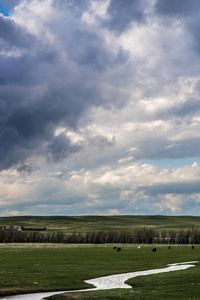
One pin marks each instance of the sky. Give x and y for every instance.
(99, 107)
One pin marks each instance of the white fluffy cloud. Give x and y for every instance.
(94, 95)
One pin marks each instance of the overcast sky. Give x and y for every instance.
(99, 107)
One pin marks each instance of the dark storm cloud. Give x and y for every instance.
(89, 50)
(186, 10)
(161, 148)
(26, 169)
(171, 188)
(177, 7)
(10, 3)
(88, 68)
(61, 148)
(77, 6)
(100, 142)
(122, 13)
(12, 35)
(40, 90)
(190, 108)
(27, 126)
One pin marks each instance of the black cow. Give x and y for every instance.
(169, 247)
(114, 248)
(119, 249)
(154, 249)
(192, 247)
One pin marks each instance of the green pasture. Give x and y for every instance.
(28, 268)
(89, 223)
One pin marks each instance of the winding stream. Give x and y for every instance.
(109, 282)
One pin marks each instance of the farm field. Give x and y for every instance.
(26, 268)
(95, 223)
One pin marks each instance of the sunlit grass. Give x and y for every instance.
(50, 267)
(88, 223)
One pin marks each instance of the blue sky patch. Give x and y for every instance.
(172, 163)
(4, 9)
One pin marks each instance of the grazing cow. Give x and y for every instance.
(154, 249)
(192, 247)
(138, 247)
(114, 248)
(119, 249)
(169, 247)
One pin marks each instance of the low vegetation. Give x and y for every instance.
(28, 268)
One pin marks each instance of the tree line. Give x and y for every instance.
(137, 236)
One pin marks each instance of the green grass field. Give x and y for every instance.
(28, 268)
(90, 223)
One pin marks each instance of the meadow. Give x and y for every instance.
(26, 268)
(84, 224)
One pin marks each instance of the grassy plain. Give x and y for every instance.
(28, 268)
(90, 223)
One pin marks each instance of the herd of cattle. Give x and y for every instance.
(138, 248)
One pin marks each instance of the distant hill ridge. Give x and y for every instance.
(69, 224)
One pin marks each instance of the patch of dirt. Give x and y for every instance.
(81, 295)
(11, 291)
